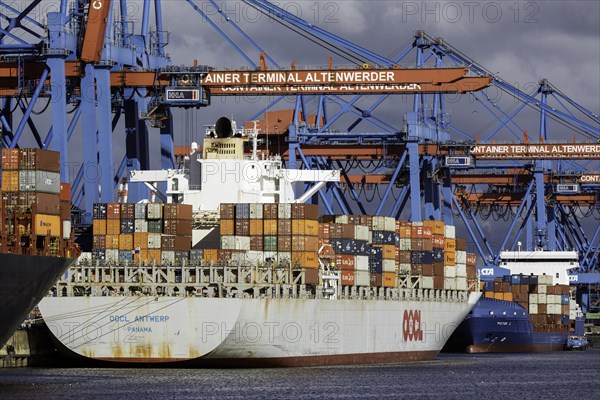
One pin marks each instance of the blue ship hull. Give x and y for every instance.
(499, 326)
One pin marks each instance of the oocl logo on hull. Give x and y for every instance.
(411, 326)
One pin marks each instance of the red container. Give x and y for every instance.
(461, 244)
(284, 243)
(269, 211)
(65, 191)
(177, 227)
(376, 280)
(347, 278)
(345, 262)
(324, 230)
(242, 227)
(341, 231)
(227, 211)
(113, 211)
(305, 211)
(284, 227)
(39, 160)
(175, 243)
(311, 276)
(127, 211)
(256, 243)
(10, 159)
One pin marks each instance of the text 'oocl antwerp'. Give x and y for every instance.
(236, 270)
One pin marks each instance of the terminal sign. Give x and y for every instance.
(458, 161)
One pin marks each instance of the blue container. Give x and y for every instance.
(564, 299)
(98, 254)
(125, 255)
(438, 255)
(361, 247)
(242, 211)
(421, 257)
(516, 279)
(196, 255)
(385, 237)
(127, 226)
(565, 320)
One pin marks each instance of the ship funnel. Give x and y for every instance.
(223, 127)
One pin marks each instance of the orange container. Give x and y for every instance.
(508, 296)
(499, 295)
(113, 226)
(270, 227)
(256, 227)
(113, 211)
(227, 227)
(437, 227)
(388, 251)
(449, 258)
(450, 244)
(112, 242)
(437, 241)
(345, 262)
(140, 240)
(306, 259)
(404, 232)
(99, 227)
(10, 181)
(389, 279)
(347, 278)
(211, 255)
(126, 242)
(305, 227)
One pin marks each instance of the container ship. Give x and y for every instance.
(235, 270)
(526, 311)
(35, 232)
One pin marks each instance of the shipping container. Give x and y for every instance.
(99, 227)
(227, 211)
(270, 227)
(141, 225)
(127, 226)
(10, 181)
(113, 211)
(256, 226)
(376, 279)
(345, 261)
(113, 226)
(242, 227)
(388, 266)
(306, 259)
(427, 282)
(126, 242)
(140, 210)
(154, 211)
(112, 255)
(361, 278)
(437, 227)
(177, 227)
(284, 211)
(39, 181)
(127, 211)
(112, 242)
(39, 159)
(99, 242)
(404, 232)
(342, 231)
(461, 244)
(270, 211)
(47, 225)
(361, 263)
(380, 223)
(242, 211)
(284, 243)
(125, 256)
(384, 237)
(100, 211)
(10, 159)
(177, 212)
(311, 276)
(305, 227)
(284, 227)
(140, 240)
(210, 255)
(305, 211)
(256, 211)
(196, 256)
(154, 241)
(175, 243)
(227, 227)
(270, 243)
(450, 283)
(449, 231)
(347, 277)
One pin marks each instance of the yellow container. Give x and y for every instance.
(140, 240)
(256, 227)
(449, 259)
(450, 245)
(112, 242)
(113, 226)
(10, 181)
(126, 242)
(47, 225)
(388, 251)
(389, 279)
(499, 295)
(508, 296)
(227, 227)
(306, 259)
(270, 227)
(211, 255)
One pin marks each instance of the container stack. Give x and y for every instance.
(142, 233)
(547, 304)
(31, 188)
(384, 241)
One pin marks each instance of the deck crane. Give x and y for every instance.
(94, 31)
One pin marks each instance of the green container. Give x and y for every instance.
(155, 226)
(270, 243)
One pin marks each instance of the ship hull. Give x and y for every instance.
(507, 330)
(24, 281)
(252, 332)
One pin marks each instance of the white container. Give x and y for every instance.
(542, 289)
(553, 308)
(253, 257)
(112, 255)
(533, 308)
(154, 240)
(256, 211)
(361, 232)
(240, 258)
(284, 210)
(461, 271)
(140, 211)
(384, 224)
(85, 256)
(545, 279)
(141, 225)
(404, 269)
(449, 271)
(450, 283)
(242, 242)
(553, 298)
(389, 266)
(342, 219)
(533, 298)
(361, 278)
(461, 257)
(228, 242)
(542, 298)
(427, 282)
(66, 233)
(405, 244)
(167, 257)
(417, 223)
(450, 231)
(461, 283)
(284, 256)
(361, 263)
(154, 211)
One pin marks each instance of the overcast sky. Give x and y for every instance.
(521, 41)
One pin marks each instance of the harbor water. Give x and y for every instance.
(557, 375)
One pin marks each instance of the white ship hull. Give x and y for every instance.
(253, 332)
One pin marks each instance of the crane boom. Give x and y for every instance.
(95, 31)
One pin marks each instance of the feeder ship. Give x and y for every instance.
(527, 311)
(35, 233)
(235, 270)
